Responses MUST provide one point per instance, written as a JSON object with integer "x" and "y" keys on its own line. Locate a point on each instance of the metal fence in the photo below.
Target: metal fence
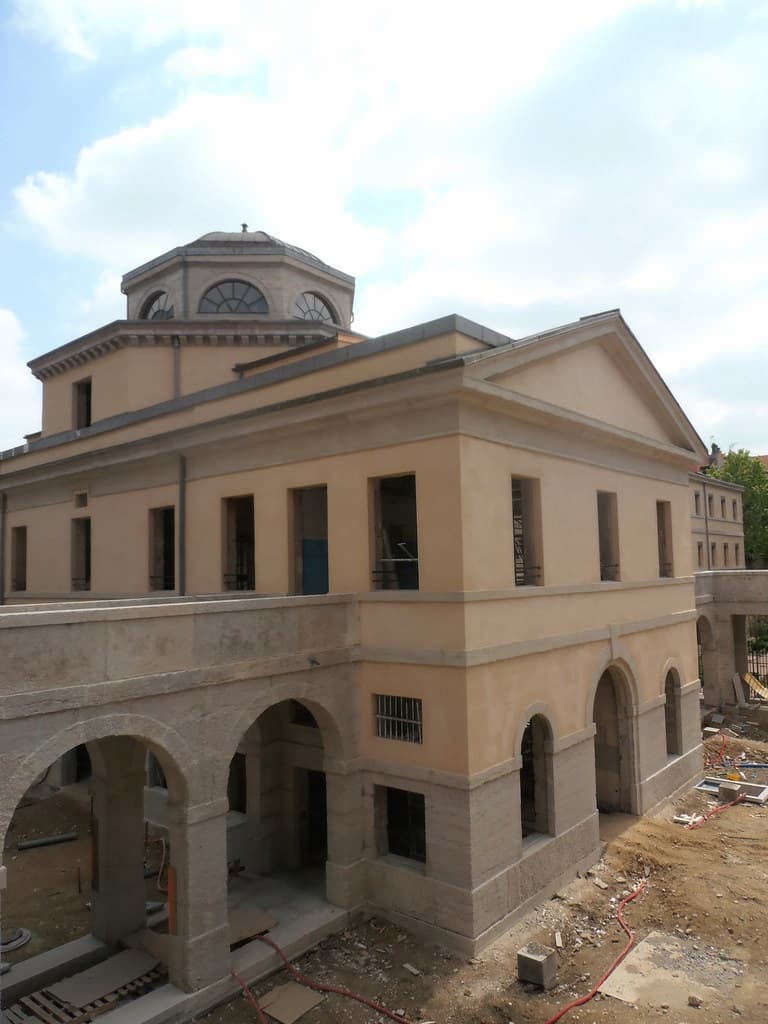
{"x": 758, "y": 663}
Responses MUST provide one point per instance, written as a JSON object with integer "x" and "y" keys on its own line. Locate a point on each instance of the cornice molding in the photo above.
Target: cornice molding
{"x": 210, "y": 332}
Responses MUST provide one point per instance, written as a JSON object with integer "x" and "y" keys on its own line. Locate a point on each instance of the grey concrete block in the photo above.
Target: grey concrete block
{"x": 537, "y": 965}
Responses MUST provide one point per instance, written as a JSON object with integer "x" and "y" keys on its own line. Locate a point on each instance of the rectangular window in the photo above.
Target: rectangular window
{"x": 608, "y": 533}
{"x": 398, "y": 718}
{"x": 526, "y": 532}
{"x": 395, "y": 561}
{"x": 710, "y": 505}
{"x": 713, "y": 555}
{"x": 725, "y": 555}
{"x": 81, "y": 401}
{"x": 239, "y": 552}
{"x": 722, "y": 508}
{"x": 19, "y": 558}
{"x": 696, "y": 503}
{"x": 404, "y": 831}
{"x": 310, "y": 540}
{"x": 162, "y": 548}
{"x": 735, "y": 508}
{"x": 81, "y": 554}
{"x": 664, "y": 534}
{"x": 737, "y": 555}
{"x": 700, "y": 555}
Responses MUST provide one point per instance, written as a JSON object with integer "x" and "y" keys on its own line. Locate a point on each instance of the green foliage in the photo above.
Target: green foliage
{"x": 739, "y": 467}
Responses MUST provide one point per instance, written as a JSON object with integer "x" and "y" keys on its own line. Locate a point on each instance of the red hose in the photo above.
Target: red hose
{"x": 316, "y": 985}
{"x": 593, "y": 992}
{"x": 249, "y": 996}
{"x": 715, "y": 810}
{"x": 716, "y": 759}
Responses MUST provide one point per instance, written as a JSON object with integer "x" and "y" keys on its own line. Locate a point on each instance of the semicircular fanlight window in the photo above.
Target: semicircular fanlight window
{"x": 158, "y": 307}
{"x": 233, "y": 297}
{"x": 310, "y": 306}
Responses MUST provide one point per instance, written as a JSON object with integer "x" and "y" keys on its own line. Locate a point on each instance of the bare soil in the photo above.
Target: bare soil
{"x": 706, "y": 886}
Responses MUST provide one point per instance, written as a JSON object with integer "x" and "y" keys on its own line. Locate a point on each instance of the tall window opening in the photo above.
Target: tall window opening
{"x": 310, "y": 541}
{"x": 162, "y": 549}
{"x": 713, "y": 555}
{"x": 672, "y": 717}
{"x": 526, "y": 532}
{"x": 19, "y": 558}
{"x": 81, "y": 395}
{"x": 735, "y": 507}
{"x": 710, "y": 505}
{"x": 608, "y": 533}
{"x": 664, "y": 534}
{"x": 401, "y": 823}
{"x": 737, "y": 555}
{"x": 536, "y": 778}
{"x": 726, "y": 556}
{"x": 396, "y": 556}
{"x": 696, "y": 503}
{"x": 700, "y": 555}
{"x": 239, "y": 554}
{"x": 81, "y": 554}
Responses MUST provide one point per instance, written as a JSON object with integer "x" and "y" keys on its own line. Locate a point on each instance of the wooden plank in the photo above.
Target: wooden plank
{"x": 87, "y": 986}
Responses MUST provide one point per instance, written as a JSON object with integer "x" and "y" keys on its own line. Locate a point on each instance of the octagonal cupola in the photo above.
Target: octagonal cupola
{"x": 243, "y": 275}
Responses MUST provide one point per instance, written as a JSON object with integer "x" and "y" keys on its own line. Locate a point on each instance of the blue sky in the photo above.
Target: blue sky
{"x": 521, "y": 164}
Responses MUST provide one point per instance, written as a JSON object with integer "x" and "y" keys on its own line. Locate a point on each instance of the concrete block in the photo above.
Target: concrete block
{"x": 729, "y": 791}
{"x": 537, "y": 964}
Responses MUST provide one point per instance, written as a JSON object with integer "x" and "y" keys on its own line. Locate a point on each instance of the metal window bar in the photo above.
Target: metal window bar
{"x": 757, "y": 662}
{"x": 609, "y": 571}
{"x": 399, "y": 718}
{"x": 392, "y": 571}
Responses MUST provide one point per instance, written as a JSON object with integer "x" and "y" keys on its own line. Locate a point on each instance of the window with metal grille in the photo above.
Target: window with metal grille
{"x": 399, "y": 718}
{"x": 526, "y": 532}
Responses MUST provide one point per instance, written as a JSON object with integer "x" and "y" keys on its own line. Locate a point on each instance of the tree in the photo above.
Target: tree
{"x": 739, "y": 467}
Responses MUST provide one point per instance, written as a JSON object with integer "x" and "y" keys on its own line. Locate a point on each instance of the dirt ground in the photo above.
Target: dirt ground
{"x": 705, "y": 886}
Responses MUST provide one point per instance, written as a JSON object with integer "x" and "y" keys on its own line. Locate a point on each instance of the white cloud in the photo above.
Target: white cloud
{"x": 21, "y": 392}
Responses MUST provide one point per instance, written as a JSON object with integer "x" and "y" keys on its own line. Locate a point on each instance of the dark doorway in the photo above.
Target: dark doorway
{"x": 310, "y": 511}
{"x": 162, "y": 549}
{"x": 535, "y": 778}
{"x": 313, "y": 832}
{"x": 613, "y": 747}
{"x": 396, "y": 557}
{"x": 239, "y": 557}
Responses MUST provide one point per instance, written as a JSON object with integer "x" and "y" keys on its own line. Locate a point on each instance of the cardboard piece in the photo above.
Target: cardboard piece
{"x": 246, "y": 920}
{"x": 87, "y": 986}
{"x": 289, "y": 1002}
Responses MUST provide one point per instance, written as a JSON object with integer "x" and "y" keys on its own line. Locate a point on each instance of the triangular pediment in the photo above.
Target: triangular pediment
{"x": 598, "y": 372}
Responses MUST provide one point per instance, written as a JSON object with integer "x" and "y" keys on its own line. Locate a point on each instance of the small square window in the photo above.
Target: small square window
{"x": 399, "y": 718}
{"x": 81, "y": 499}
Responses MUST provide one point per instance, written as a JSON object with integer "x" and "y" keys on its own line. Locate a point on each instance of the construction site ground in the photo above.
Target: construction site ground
{"x": 705, "y": 886}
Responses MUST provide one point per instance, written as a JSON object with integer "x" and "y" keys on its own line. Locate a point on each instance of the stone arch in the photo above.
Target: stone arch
{"x": 164, "y": 742}
{"x": 614, "y": 713}
{"x": 537, "y": 794}
{"x": 623, "y": 668}
{"x": 673, "y": 715}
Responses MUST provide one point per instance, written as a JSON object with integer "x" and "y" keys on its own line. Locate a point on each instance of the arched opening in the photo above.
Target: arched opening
{"x": 536, "y": 793}
{"x": 673, "y": 714}
{"x": 84, "y": 864}
{"x": 277, "y": 826}
{"x": 707, "y": 660}
{"x": 614, "y": 743}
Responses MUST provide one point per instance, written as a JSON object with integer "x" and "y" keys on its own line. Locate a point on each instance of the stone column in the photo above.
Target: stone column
{"x": 344, "y": 867}
{"x": 199, "y": 944}
{"x": 117, "y": 786}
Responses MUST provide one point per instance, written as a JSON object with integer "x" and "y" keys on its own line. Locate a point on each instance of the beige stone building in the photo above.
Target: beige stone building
{"x": 408, "y": 611}
{"x": 717, "y": 525}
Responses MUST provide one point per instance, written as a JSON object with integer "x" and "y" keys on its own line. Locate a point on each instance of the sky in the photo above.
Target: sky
{"x": 523, "y": 164}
